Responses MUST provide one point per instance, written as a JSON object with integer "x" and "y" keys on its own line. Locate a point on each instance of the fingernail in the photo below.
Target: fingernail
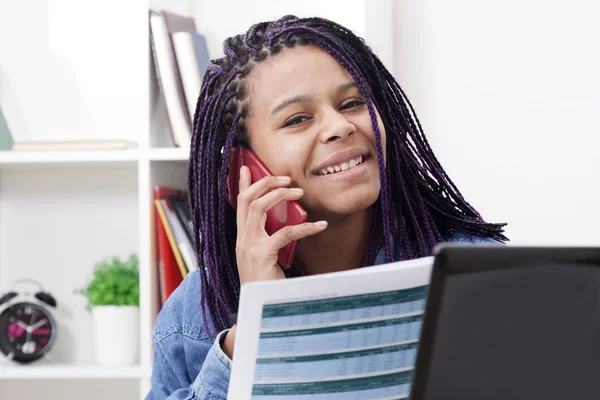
{"x": 297, "y": 190}
{"x": 321, "y": 224}
{"x": 284, "y": 178}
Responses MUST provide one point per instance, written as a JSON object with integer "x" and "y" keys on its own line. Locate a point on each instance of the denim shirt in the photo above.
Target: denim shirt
{"x": 188, "y": 361}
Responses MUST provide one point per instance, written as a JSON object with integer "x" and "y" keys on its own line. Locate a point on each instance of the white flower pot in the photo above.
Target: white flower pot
{"x": 116, "y": 334}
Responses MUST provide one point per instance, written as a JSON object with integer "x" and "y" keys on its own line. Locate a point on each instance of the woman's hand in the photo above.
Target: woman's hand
{"x": 256, "y": 251}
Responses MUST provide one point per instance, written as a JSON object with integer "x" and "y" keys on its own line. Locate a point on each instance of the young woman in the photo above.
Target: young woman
{"x": 337, "y": 131}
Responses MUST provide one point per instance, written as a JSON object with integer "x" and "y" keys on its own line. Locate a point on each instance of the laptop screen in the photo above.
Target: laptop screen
{"x": 520, "y": 333}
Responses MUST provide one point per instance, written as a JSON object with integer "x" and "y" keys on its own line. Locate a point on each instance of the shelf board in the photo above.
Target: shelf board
{"x": 19, "y": 159}
{"x": 69, "y": 371}
{"x": 14, "y": 160}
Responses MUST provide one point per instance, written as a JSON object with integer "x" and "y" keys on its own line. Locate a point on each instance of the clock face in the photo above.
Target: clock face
{"x": 27, "y": 331}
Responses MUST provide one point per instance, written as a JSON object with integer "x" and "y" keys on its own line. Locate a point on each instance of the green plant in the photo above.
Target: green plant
{"x": 114, "y": 282}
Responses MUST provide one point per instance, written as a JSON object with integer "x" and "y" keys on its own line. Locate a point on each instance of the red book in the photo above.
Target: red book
{"x": 168, "y": 270}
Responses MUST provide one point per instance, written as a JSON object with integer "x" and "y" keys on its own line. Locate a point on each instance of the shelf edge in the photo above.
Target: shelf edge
{"x": 71, "y": 372}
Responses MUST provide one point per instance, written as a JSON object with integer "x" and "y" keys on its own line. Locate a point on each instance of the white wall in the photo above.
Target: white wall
{"x": 508, "y": 93}
{"x": 218, "y": 20}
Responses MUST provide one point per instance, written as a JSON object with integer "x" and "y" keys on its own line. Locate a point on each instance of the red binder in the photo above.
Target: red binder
{"x": 168, "y": 271}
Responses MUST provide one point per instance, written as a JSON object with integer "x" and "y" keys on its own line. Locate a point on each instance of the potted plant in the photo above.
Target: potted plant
{"x": 113, "y": 299}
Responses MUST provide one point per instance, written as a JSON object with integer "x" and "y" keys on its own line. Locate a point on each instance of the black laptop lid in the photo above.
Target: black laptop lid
{"x": 513, "y": 323}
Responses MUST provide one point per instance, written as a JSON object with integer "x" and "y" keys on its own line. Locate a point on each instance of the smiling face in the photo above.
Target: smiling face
{"x": 308, "y": 120}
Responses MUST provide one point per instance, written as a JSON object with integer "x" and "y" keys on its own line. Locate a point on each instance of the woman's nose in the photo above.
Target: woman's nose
{"x": 335, "y": 126}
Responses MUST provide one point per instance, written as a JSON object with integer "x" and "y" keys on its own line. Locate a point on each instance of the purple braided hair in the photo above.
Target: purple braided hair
{"x": 418, "y": 205}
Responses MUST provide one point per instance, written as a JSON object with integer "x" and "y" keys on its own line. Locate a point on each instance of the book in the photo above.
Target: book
{"x": 6, "y": 140}
{"x": 172, "y": 240}
{"x": 181, "y": 239}
{"x": 179, "y": 23}
{"x": 182, "y": 209}
{"x": 74, "y": 145}
{"x": 169, "y": 274}
{"x": 192, "y": 57}
{"x": 351, "y": 334}
{"x": 162, "y": 24}
{"x": 201, "y": 53}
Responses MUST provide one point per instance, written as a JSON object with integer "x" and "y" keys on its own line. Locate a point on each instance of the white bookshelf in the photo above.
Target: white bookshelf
{"x": 63, "y": 211}
{"x": 72, "y": 209}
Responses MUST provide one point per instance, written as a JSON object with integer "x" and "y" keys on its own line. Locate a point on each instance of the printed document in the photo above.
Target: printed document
{"x": 348, "y": 335}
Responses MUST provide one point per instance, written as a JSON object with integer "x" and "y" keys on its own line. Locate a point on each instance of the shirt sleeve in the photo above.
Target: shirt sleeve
{"x": 462, "y": 238}
{"x": 211, "y": 383}
{"x": 213, "y": 380}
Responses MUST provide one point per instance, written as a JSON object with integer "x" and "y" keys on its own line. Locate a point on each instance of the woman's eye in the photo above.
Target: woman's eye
{"x": 352, "y": 104}
{"x": 295, "y": 120}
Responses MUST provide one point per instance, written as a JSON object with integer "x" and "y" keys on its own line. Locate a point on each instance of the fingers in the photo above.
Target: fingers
{"x": 286, "y": 235}
{"x": 251, "y": 191}
{"x": 259, "y": 188}
{"x": 245, "y": 179}
{"x": 242, "y": 208}
{"x": 257, "y": 212}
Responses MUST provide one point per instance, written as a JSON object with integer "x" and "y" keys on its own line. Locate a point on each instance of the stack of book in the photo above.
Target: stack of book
{"x": 8, "y": 143}
{"x": 174, "y": 238}
{"x": 180, "y": 59}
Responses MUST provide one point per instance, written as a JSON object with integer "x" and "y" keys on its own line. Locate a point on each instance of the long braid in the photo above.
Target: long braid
{"x": 425, "y": 149}
{"x": 418, "y": 205}
{"x": 224, "y": 208}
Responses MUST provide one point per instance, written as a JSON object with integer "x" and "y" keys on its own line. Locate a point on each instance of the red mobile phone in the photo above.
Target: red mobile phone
{"x": 283, "y": 214}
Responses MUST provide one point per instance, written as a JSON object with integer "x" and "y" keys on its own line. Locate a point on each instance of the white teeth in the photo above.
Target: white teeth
{"x": 342, "y": 167}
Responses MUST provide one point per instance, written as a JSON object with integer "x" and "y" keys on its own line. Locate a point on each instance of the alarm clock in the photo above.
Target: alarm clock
{"x": 27, "y": 327}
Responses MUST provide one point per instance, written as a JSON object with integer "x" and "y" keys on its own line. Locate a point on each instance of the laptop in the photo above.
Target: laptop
{"x": 508, "y": 322}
